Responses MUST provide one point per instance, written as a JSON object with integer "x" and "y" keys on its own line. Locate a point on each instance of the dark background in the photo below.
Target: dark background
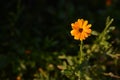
{"x": 27, "y": 23}
{"x": 43, "y": 26}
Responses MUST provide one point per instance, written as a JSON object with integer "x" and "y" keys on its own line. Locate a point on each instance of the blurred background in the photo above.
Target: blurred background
{"x": 34, "y": 32}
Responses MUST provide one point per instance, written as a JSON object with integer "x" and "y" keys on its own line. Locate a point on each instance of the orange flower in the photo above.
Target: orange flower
{"x": 81, "y": 29}
{"x": 18, "y": 78}
{"x": 27, "y": 51}
{"x": 108, "y": 2}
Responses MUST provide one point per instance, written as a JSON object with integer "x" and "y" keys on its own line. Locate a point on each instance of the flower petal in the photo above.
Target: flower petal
{"x": 88, "y": 26}
{"x": 80, "y": 22}
{"x": 77, "y": 37}
{"x": 85, "y": 23}
{"x": 75, "y": 25}
{"x": 74, "y": 32}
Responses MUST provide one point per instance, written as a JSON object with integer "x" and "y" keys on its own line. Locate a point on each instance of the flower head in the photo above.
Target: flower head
{"x": 81, "y": 29}
{"x": 108, "y": 3}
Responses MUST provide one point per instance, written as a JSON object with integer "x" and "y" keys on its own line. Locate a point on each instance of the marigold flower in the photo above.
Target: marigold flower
{"x": 108, "y": 2}
{"x": 27, "y": 51}
{"x": 18, "y": 78}
{"x": 81, "y": 29}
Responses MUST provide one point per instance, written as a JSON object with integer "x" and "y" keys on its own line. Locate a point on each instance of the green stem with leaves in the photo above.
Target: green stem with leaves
{"x": 108, "y": 23}
{"x": 81, "y": 52}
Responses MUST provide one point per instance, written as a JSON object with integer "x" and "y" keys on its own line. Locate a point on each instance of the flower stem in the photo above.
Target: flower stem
{"x": 81, "y": 52}
{"x": 108, "y": 23}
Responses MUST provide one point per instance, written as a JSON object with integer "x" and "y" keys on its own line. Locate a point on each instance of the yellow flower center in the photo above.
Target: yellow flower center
{"x": 80, "y": 30}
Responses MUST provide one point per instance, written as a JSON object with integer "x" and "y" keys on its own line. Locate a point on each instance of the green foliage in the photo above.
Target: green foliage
{"x": 96, "y": 56}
